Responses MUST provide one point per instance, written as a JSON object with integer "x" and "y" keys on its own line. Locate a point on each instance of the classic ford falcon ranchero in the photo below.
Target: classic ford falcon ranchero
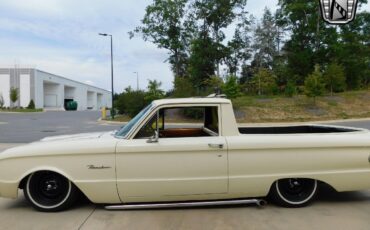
{"x": 152, "y": 161}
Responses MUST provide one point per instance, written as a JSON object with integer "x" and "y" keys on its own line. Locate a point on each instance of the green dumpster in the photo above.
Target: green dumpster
{"x": 71, "y": 106}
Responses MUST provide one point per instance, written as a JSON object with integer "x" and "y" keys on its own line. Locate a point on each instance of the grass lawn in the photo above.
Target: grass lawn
{"x": 18, "y": 110}
{"x": 119, "y": 118}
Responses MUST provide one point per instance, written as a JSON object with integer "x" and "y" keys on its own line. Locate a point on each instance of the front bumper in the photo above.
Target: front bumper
{"x": 8, "y": 189}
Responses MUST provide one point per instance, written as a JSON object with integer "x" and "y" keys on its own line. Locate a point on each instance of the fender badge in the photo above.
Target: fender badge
{"x": 98, "y": 167}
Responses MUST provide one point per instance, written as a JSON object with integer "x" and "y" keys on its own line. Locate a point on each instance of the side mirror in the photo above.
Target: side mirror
{"x": 154, "y": 138}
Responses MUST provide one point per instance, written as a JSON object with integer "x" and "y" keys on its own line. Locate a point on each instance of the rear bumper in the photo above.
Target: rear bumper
{"x": 8, "y": 189}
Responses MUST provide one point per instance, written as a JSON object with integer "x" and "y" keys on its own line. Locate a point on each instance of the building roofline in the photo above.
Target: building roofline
{"x": 71, "y": 80}
{"x": 59, "y": 77}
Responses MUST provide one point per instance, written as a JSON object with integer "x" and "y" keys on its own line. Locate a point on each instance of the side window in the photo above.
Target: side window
{"x": 149, "y": 128}
{"x": 177, "y": 122}
{"x": 184, "y": 118}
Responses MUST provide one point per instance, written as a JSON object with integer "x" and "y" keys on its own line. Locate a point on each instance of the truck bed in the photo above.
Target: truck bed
{"x": 295, "y": 129}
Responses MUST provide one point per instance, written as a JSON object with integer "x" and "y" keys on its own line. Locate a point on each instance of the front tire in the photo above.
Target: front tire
{"x": 50, "y": 192}
{"x": 294, "y": 192}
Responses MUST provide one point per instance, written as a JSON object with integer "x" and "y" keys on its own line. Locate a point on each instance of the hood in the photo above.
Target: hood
{"x": 66, "y": 144}
{"x": 80, "y": 136}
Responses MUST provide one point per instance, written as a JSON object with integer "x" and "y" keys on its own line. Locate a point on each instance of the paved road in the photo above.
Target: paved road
{"x": 331, "y": 211}
{"x": 359, "y": 124}
{"x": 28, "y": 127}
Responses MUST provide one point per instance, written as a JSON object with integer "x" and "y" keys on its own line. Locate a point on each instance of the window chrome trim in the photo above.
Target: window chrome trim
{"x": 150, "y": 113}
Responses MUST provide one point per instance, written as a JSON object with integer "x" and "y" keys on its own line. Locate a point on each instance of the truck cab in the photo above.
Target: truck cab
{"x": 184, "y": 150}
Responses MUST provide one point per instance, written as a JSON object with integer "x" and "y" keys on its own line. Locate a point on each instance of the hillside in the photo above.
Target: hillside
{"x": 352, "y": 104}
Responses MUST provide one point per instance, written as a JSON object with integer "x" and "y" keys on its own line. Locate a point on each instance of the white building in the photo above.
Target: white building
{"x": 49, "y": 91}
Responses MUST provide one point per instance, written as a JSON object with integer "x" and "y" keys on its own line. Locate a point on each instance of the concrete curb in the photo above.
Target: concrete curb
{"x": 110, "y": 122}
{"x": 4, "y": 112}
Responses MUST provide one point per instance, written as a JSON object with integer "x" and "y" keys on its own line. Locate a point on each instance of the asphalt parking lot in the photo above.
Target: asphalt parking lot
{"x": 28, "y": 127}
{"x": 332, "y": 210}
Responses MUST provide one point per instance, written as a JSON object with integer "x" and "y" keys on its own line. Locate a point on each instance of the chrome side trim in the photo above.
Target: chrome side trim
{"x": 258, "y": 202}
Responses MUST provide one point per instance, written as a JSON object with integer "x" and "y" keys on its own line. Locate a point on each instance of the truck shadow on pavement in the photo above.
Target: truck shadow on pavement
{"x": 328, "y": 195}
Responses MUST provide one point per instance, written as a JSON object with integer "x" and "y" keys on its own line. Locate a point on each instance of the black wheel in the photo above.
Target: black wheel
{"x": 293, "y": 192}
{"x": 50, "y": 192}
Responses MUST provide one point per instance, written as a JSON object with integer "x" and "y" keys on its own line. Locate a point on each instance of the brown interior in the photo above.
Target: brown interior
{"x": 183, "y": 132}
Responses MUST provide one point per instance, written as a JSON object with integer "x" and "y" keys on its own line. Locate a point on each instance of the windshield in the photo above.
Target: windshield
{"x": 126, "y": 129}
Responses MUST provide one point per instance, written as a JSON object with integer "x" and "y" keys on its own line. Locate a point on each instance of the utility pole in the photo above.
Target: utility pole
{"x": 137, "y": 81}
{"x": 111, "y": 59}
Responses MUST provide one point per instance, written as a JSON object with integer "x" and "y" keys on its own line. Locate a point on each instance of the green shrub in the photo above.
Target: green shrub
{"x": 214, "y": 84}
{"x": 14, "y": 95}
{"x": 314, "y": 85}
{"x": 183, "y": 88}
{"x": 1, "y": 101}
{"x": 131, "y": 102}
{"x": 231, "y": 87}
{"x": 31, "y": 105}
{"x": 335, "y": 78}
{"x": 290, "y": 89}
{"x": 264, "y": 82}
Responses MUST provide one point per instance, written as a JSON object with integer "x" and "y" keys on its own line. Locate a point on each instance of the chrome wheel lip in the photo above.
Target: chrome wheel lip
{"x": 296, "y": 202}
{"x": 43, "y": 206}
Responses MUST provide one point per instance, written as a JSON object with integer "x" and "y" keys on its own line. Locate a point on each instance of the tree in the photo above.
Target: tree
{"x": 183, "y": 87}
{"x": 264, "y": 82}
{"x": 266, "y": 37}
{"x": 210, "y": 17}
{"x": 354, "y": 50}
{"x": 202, "y": 61}
{"x": 131, "y": 102}
{"x": 313, "y": 41}
{"x": 154, "y": 92}
{"x": 314, "y": 85}
{"x": 14, "y": 95}
{"x": 164, "y": 24}
{"x": 239, "y": 48}
{"x": 1, "y": 101}
{"x": 335, "y": 78}
{"x": 215, "y": 83}
{"x": 231, "y": 87}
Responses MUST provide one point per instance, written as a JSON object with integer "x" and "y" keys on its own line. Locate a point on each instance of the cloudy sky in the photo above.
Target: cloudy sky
{"x": 61, "y": 37}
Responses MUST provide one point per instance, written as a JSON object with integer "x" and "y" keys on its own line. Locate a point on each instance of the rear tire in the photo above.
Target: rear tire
{"x": 50, "y": 192}
{"x": 293, "y": 192}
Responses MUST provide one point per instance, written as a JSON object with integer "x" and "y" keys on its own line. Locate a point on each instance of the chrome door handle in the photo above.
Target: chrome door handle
{"x": 216, "y": 146}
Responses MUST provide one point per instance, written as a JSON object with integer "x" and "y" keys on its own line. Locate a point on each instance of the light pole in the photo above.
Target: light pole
{"x": 137, "y": 80}
{"x": 111, "y": 60}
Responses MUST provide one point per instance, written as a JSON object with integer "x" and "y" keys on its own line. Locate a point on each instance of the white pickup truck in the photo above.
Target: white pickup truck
{"x": 162, "y": 158}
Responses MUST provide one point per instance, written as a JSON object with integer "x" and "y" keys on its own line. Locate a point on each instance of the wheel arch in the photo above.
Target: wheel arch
{"x": 319, "y": 181}
{"x": 26, "y": 175}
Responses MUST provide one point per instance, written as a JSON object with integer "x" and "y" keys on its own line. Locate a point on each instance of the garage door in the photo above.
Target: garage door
{"x": 50, "y": 100}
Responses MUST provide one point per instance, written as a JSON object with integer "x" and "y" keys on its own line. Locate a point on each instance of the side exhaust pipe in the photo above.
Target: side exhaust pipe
{"x": 259, "y": 202}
